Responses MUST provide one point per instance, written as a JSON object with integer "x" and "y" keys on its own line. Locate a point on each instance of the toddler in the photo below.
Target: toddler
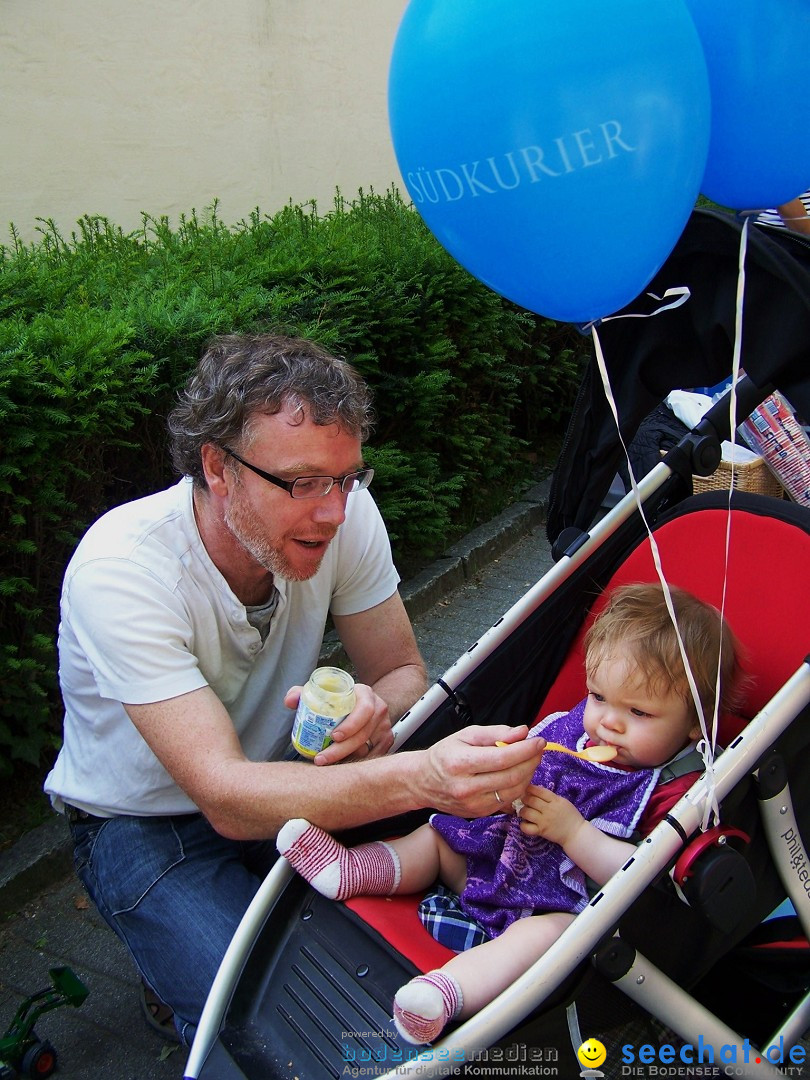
{"x": 521, "y": 876}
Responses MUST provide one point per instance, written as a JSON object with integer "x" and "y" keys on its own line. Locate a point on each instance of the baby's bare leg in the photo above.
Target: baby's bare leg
{"x": 483, "y": 972}
{"x": 424, "y": 856}
{"x": 425, "y": 1005}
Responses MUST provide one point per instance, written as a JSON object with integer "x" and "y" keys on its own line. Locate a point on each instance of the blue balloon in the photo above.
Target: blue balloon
{"x": 758, "y": 59}
{"x": 554, "y": 149}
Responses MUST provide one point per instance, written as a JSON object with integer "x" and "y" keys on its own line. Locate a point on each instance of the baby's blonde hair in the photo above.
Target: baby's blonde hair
{"x": 636, "y": 618}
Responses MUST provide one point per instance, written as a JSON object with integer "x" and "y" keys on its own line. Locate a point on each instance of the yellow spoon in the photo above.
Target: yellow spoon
{"x": 590, "y": 753}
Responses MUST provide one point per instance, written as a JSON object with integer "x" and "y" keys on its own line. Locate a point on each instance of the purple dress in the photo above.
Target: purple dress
{"x": 509, "y": 875}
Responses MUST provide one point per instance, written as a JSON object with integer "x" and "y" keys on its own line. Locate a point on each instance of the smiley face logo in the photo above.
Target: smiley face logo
{"x": 591, "y": 1054}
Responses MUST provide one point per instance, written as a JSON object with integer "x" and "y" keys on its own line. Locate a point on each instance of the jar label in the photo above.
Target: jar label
{"x": 312, "y": 731}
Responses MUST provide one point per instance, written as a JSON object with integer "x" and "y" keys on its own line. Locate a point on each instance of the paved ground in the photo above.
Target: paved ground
{"x": 49, "y": 922}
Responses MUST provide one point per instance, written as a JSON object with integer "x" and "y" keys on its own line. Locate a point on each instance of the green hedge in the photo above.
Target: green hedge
{"x": 98, "y": 331}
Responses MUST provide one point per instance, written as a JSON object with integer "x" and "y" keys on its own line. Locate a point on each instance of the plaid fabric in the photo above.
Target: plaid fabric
{"x": 443, "y": 917}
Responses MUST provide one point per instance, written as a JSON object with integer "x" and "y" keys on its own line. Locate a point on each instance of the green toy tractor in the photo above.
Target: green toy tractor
{"x": 22, "y": 1053}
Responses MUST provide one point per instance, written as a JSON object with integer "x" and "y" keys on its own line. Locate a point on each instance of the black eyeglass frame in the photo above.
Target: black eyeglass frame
{"x": 362, "y": 476}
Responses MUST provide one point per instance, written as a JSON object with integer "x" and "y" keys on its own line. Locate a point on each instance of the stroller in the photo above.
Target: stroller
{"x": 675, "y": 946}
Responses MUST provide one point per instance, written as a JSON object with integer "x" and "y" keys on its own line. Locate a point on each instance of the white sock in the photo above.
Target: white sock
{"x": 424, "y": 1006}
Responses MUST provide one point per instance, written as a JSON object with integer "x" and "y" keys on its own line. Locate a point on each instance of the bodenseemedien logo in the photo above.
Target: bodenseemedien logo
{"x": 510, "y": 1062}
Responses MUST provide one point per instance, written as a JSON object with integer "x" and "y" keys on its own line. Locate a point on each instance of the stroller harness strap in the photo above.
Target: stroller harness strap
{"x": 691, "y": 762}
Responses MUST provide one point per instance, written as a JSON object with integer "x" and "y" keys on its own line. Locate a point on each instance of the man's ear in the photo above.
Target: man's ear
{"x": 213, "y": 463}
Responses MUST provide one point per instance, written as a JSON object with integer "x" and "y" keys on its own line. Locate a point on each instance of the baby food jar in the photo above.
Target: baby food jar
{"x": 326, "y": 700}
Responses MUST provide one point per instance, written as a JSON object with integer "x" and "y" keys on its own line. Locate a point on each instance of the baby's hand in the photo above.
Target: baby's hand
{"x": 545, "y": 814}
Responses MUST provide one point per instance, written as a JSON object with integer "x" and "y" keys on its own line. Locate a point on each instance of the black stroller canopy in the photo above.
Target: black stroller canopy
{"x": 691, "y": 345}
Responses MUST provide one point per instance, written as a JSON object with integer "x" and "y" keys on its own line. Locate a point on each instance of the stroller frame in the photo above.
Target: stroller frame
{"x": 592, "y": 932}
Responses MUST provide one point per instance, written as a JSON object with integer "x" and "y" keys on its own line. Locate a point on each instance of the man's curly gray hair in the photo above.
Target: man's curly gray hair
{"x": 241, "y": 376}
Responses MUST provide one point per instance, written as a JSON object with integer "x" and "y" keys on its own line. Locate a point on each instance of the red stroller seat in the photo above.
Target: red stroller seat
{"x": 310, "y": 985}
{"x": 772, "y": 649}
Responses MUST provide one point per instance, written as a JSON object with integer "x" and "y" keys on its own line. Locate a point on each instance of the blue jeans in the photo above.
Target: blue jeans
{"x": 174, "y": 891}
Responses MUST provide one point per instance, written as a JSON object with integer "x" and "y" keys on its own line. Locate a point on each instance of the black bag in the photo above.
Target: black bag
{"x": 688, "y": 346}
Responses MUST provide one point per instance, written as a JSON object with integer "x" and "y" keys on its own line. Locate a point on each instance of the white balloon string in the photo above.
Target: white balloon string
{"x": 672, "y": 298}
{"x": 706, "y": 745}
{"x": 711, "y": 808}
{"x": 677, "y": 296}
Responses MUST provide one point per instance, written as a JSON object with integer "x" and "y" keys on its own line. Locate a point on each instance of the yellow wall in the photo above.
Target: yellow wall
{"x": 115, "y": 107}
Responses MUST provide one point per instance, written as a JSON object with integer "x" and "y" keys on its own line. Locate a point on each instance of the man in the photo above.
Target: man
{"x": 190, "y": 620}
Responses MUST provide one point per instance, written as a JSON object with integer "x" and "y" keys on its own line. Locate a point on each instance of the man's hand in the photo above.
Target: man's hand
{"x": 549, "y": 815}
{"x": 468, "y": 775}
{"x": 368, "y": 722}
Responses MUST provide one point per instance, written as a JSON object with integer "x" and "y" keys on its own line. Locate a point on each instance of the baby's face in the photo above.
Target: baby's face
{"x": 646, "y": 728}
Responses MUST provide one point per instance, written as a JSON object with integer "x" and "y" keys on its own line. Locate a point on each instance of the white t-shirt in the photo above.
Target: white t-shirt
{"x": 147, "y": 616}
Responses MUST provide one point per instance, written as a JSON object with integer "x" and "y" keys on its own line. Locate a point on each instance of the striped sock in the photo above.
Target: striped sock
{"x": 335, "y": 870}
{"x": 424, "y": 1006}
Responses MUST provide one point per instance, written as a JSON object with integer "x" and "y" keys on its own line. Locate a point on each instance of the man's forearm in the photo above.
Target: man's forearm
{"x": 254, "y": 799}
{"x": 401, "y": 687}
{"x": 457, "y": 775}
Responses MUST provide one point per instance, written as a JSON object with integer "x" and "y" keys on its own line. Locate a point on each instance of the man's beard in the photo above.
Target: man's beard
{"x": 240, "y": 520}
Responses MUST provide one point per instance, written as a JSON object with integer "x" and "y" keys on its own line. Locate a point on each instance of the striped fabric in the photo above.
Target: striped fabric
{"x": 773, "y": 217}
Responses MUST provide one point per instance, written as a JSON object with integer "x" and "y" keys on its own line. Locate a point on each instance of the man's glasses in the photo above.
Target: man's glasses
{"x": 311, "y": 487}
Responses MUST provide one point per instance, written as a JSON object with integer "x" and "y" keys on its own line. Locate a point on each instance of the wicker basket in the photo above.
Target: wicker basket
{"x": 748, "y": 476}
